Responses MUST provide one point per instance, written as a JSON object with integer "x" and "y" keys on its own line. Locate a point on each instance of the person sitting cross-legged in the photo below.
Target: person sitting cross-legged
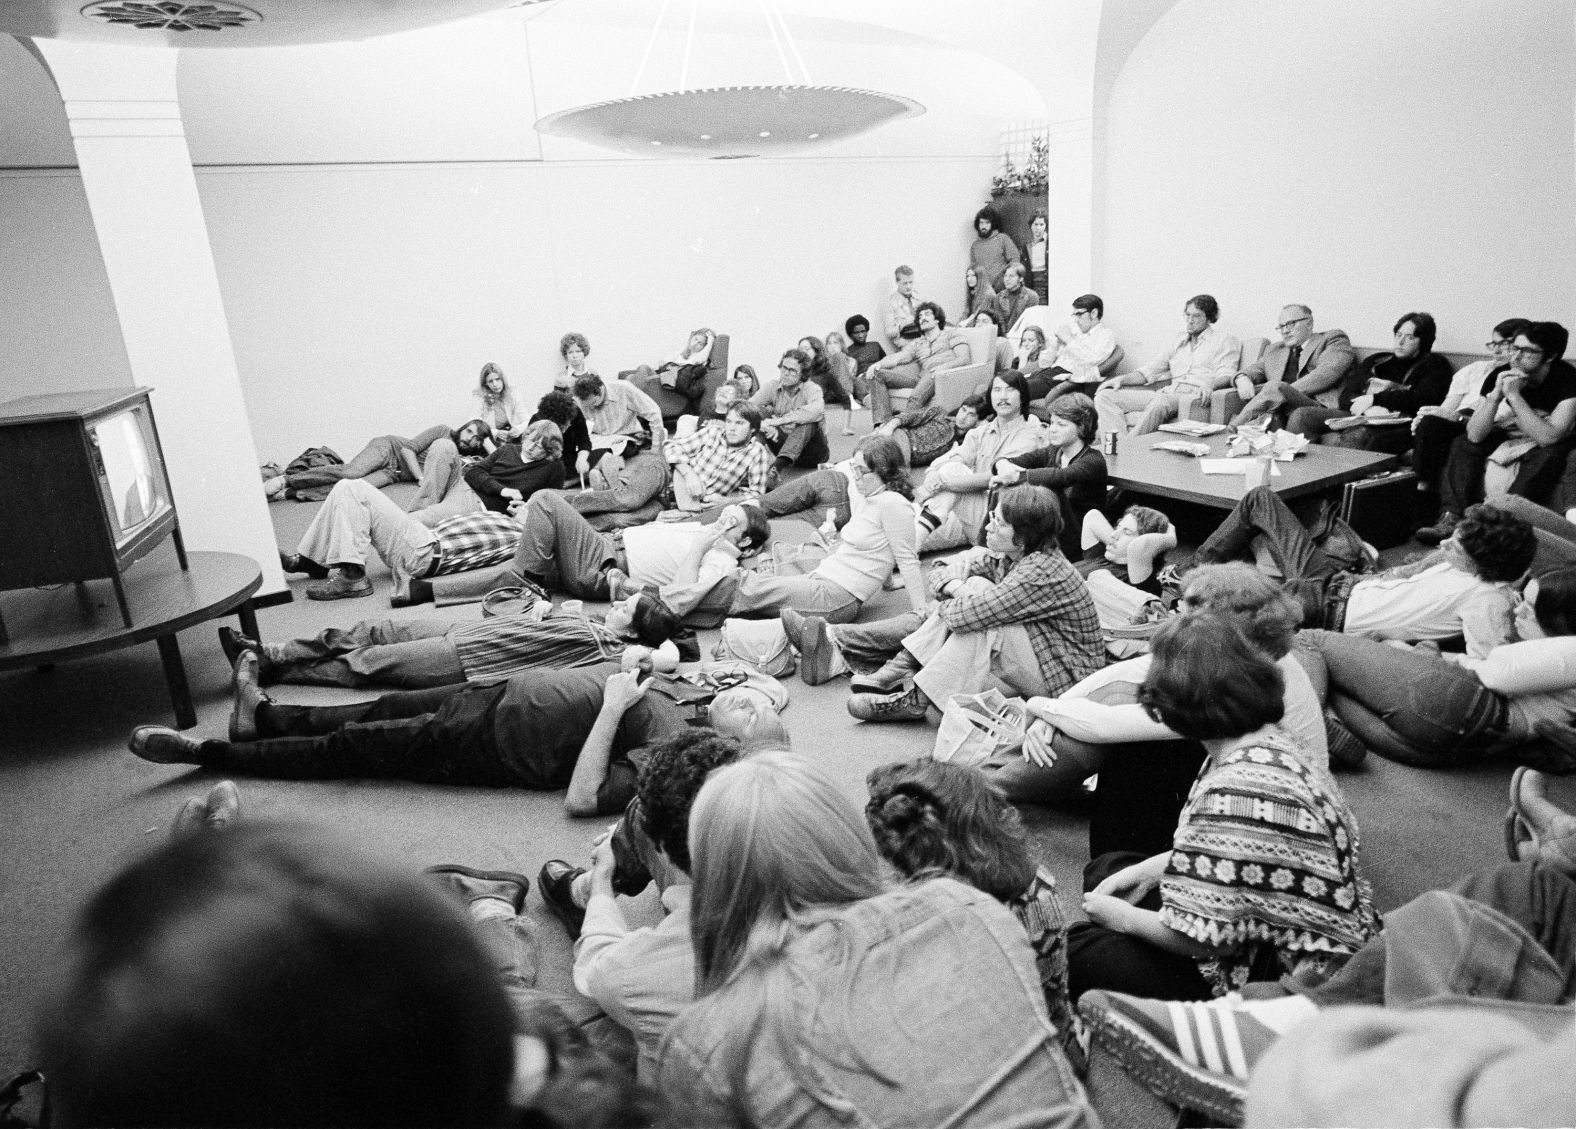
{"x": 1304, "y": 369}
{"x": 712, "y": 466}
{"x": 357, "y": 517}
{"x": 915, "y": 364}
{"x": 542, "y": 730}
{"x": 1384, "y": 387}
{"x": 1034, "y": 629}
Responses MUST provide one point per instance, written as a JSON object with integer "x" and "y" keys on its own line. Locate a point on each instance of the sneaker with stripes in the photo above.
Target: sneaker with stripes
{"x": 1194, "y": 1055}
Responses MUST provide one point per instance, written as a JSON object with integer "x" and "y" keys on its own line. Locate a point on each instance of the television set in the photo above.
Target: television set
{"x": 87, "y": 493}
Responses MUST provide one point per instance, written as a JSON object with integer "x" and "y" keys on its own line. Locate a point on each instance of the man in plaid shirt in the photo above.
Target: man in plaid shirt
{"x": 1019, "y": 615}
{"x": 714, "y": 464}
{"x": 357, "y": 516}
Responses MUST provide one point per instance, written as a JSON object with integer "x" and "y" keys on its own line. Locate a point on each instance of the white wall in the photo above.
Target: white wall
{"x": 1367, "y": 159}
{"x": 365, "y": 300}
{"x": 384, "y": 222}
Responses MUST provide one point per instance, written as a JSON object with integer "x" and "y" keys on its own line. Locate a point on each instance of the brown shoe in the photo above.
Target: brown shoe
{"x": 246, "y": 695}
{"x": 339, "y": 586}
{"x": 898, "y": 670}
{"x": 470, "y": 884}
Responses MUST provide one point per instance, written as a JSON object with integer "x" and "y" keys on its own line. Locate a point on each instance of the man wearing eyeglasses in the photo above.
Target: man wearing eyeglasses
{"x": 793, "y": 409}
{"x": 1520, "y": 433}
{"x": 1304, "y": 369}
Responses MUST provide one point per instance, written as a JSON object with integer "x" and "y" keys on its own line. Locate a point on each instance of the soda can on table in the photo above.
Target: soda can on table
{"x": 1108, "y": 442}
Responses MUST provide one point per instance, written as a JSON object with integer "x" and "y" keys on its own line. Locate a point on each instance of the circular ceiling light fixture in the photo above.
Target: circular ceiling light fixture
{"x": 730, "y": 121}
{"x": 171, "y": 15}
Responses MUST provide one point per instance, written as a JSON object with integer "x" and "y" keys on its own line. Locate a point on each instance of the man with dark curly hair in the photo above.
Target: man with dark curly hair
{"x": 1466, "y": 587}
{"x": 641, "y": 978}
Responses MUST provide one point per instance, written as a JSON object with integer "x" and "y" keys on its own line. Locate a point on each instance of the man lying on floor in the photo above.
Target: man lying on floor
{"x": 424, "y": 651}
{"x": 542, "y": 730}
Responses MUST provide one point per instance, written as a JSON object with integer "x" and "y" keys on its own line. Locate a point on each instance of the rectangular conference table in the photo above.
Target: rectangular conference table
{"x": 1138, "y": 466}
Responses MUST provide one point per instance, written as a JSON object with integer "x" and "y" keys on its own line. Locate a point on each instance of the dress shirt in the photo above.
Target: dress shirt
{"x": 899, "y": 312}
{"x": 1083, "y": 353}
{"x": 1202, "y": 364}
{"x": 1440, "y": 602}
{"x": 625, "y": 410}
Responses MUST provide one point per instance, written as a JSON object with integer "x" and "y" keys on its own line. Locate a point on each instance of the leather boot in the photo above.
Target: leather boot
{"x": 898, "y": 670}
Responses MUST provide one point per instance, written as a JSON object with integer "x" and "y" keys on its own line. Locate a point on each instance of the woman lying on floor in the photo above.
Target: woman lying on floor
{"x": 420, "y": 652}
{"x": 1419, "y": 707}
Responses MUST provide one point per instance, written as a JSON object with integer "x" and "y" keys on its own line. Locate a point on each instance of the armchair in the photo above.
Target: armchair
{"x": 670, "y": 402}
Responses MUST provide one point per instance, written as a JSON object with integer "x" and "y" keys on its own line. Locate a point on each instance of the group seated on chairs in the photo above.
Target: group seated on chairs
{"x": 1191, "y": 699}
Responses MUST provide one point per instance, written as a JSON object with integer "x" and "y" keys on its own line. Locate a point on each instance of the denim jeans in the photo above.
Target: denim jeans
{"x": 413, "y": 654}
{"x": 865, "y": 646}
{"x": 1507, "y": 933}
{"x": 1409, "y": 706}
{"x": 803, "y": 444}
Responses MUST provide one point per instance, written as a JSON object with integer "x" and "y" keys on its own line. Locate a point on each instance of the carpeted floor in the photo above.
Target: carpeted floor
{"x": 74, "y": 804}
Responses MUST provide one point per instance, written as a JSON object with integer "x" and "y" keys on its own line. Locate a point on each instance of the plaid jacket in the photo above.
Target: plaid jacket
{"x": 1044, "y": 594}
{"x": 474, "y": 541}
{"x": 722, "y": 468}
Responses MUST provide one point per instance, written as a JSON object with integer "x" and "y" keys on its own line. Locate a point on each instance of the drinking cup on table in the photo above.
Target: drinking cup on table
{"x": 573, "y": 607}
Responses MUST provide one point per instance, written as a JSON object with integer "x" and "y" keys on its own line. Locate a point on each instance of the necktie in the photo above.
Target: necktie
{"x": 1293, "y": 360}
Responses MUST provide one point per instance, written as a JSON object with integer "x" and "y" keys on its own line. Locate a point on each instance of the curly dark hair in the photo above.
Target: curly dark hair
{"x": 1500, "y": 544}
{"x": 989, "y": 213}
{"x": 559, "y": 407}
{"x": 588, "y": 385}
{"x": 671, "y": 779}
{"x": 1208, "y": 680}
{"x": 930, "y": 817}
{"x": 941, "y": 315}
{"x": 1206, "y": 305}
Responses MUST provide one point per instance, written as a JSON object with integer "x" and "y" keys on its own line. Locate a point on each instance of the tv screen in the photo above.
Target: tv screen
{"x": 131, "y": 474}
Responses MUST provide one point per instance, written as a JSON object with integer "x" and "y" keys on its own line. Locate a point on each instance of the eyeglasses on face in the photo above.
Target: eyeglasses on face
{"x": 1527, "y": 351}
{"x": 1285, "y": 325}
{"x": 1496, "y": 345}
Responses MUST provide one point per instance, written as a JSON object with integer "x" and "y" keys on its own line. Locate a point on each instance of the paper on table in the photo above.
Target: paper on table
{"x": 1232, "y": 466}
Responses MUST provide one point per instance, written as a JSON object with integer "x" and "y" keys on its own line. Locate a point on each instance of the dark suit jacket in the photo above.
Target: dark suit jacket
{"x": 1326, "y": 359}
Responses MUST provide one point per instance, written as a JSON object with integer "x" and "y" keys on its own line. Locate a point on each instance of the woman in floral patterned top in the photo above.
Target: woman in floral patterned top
{"x": 1262, "y": 878}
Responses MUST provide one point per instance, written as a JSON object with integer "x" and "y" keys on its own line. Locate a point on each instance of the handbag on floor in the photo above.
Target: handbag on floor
{"x": 975, "y": 727}
{"x": 761, "y": 644}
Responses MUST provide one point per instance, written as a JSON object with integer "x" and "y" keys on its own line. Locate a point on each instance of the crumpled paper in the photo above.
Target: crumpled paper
{"x": 1282, "y": 446}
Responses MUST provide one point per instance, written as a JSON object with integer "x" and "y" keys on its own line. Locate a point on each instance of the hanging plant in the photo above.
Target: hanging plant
{"x": 1033, "y": 177}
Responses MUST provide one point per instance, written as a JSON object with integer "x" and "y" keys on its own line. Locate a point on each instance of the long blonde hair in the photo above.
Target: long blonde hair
{"x": 772, "y": 840}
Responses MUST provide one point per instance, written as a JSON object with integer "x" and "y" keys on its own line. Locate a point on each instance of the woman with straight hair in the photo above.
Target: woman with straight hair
{"x": 1070, "y": 464}
{"x": 931, "y": 818}
{"x": 1262, "y": 877}
{"x": 826, "y": 999}
{"x": 501, "y": 406}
